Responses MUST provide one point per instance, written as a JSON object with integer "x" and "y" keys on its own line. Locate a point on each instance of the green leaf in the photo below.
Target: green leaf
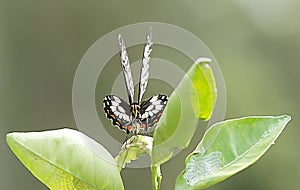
{"x": 229, "y": 147}
{"x": 66, "y": 159}
{"x": 194, "y": 98}
{"x": 204, "y": 94}
{"x": 133, "y": 148}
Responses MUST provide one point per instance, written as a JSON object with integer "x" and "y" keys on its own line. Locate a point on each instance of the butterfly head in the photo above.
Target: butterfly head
{"x": 135, "y": 109}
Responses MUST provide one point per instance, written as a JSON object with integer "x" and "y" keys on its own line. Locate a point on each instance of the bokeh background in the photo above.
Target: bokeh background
{"x": 256, "y": 43}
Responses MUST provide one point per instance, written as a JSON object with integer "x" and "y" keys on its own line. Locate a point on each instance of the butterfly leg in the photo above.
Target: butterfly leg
{"x": 146, "y": 127}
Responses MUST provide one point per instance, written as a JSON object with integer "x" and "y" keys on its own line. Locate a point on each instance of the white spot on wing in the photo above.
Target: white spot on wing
{"x": 149, "y": 108}
{"x": 156, "y": 102}
{"x": 145, "y": 115}
{"x": 153, "y": 99}
{"x": 155, "y": 111}
{"x": 126, "y": 117}
{"x": 121, "y": 109}
{"x": 159, "y": 107}
{"x": 150, "y": 114}
{"x": 114, "y": 103}
{"x": 113, "y": 108}
{"x": 117, "y": 99}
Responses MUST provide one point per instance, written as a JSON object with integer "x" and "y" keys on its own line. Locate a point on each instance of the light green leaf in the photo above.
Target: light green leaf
{"x": 66, "y": 159}
{"x": 229, "y": 147}
{"x": 204, "y": 94}
{"x": 194, "y": 98}
{"x": 133, "y": 148}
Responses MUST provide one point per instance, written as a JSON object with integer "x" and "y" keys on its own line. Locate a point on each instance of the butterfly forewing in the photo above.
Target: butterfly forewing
{"x": 126, "y": 69}
{"x": 118, "y": 110}
{"x": 144, "y": 75}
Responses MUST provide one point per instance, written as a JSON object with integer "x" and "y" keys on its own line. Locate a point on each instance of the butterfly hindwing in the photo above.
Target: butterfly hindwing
{"x": 152, "y": 109}
{"x": 118, "y": 110}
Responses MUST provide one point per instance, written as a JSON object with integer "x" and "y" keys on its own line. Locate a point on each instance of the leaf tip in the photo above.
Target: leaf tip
{"x": 9, "y": 138}
{"x": 286, "y": 117}
{"x": 201, "y": 60}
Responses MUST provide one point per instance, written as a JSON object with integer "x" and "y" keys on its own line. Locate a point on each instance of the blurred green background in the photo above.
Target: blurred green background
{"x": 256, "y": 43}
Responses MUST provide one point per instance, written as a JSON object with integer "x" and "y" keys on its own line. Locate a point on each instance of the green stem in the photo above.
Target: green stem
{"x": 156, "y": 177}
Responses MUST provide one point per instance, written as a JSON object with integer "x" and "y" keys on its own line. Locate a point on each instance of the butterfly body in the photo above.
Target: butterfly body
{"x": 134, "y": 116}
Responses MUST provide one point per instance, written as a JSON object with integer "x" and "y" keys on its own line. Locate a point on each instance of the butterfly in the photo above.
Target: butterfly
{"x": 133, "y": 116}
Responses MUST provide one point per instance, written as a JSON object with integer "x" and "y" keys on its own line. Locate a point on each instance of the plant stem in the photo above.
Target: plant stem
{"x": 156, "y": 177}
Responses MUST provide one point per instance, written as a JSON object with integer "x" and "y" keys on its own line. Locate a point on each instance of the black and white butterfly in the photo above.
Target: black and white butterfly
{"x": 133, "y": 116}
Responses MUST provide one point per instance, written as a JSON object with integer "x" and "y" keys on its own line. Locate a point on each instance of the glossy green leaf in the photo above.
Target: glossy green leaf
{"x": 66, "y": 159}
{"x": 133, "y": 148}
{"x": 194, "y": 98}
{"x": 229, "y": 147}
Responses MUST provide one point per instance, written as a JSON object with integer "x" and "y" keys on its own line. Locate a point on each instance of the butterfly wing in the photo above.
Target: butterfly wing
{"x": 144, "y": 76}
{"x": 152, "y": 109}
{"x": 118, "y": 110}
{"x": 126, "y": 69}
